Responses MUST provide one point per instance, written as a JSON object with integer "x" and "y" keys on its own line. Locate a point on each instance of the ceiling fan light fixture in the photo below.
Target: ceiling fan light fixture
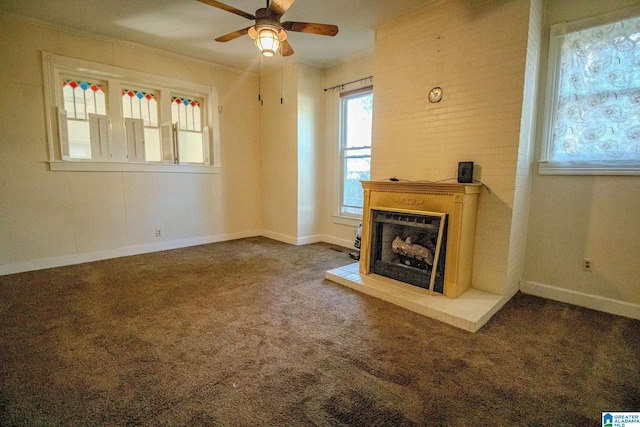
{"x": 269, "y": 35}
{"x": 267, "y": 38}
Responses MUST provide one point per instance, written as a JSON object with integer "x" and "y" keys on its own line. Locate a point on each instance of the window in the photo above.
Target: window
{"x": 356, "y": 112}
{"x": 85, "y": 115}
{"x": 592, "y": 116}
{"x": 140, "y": 110}
{"x": 106, "y": 118}
{"x": 186, "y": 115}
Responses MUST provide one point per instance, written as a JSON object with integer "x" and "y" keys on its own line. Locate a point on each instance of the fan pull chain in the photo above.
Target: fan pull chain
{"x": 260, "y": 83}
{"x": 281, "y": 59}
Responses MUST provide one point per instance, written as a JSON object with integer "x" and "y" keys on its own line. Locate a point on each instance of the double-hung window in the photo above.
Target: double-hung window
{"x": 592, "y": 111}
{"x": 186, "y": 114}
{"x": 84, "y": 117}
{"x": 106, "y": 118}
{"x": 140, "y": 112}
{"x": 356, "y": 119}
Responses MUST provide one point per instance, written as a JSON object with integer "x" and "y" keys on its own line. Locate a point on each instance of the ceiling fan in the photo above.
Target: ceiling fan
{"x": 269, "y": 34}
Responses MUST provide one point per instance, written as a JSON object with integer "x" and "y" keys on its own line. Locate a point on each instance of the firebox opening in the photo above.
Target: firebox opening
{"x": 409, "y": 247}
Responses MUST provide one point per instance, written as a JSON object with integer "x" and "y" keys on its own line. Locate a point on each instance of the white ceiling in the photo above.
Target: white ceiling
{"x": 189, "y": 27}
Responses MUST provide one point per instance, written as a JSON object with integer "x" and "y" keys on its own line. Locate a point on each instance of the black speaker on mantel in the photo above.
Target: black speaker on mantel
{"x": 465, "y": 172}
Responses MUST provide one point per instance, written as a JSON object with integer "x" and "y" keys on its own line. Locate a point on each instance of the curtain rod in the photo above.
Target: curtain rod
{"x": 341, "y": 86}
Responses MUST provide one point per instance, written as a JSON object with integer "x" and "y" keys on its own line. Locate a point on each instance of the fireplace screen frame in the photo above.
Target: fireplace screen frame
{"x": 411, "y": 222}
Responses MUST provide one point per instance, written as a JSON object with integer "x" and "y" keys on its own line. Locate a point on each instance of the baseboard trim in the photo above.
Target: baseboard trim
{"x": 60, "y": 261}
{"x": 348, "y": 244}
{"x": 325, "y": 239}
{"x": 279, "y": 237}
{"x": 594, "y": 302}
{"x": 306, "y": 240}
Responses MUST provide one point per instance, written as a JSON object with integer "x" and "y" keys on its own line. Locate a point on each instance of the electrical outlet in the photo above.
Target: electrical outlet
{"x": 587, "y": 264}
{"x": 158, "y": 232}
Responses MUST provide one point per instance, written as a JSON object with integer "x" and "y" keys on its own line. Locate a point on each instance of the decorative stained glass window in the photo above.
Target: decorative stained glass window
{"x": 138, "y": 104}
{"x": 143, "y": 105}
{"x": 187, "y": 115}
{"x": 83, "y": 97}
{"x": 86, "y": 108}
{"x": 155, "y": 120}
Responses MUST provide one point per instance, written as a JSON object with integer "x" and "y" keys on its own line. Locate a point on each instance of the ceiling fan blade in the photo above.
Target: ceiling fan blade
{"x": 311, "y": 28}
{"x": 286, "y": 49}
{"x": 228, "y": 8}
{"x": 234, "y": 35}
{"x": 279, "y": 7}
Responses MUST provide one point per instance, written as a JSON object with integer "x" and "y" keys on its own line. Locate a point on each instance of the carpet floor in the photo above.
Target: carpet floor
{"x": 249, "y": 333}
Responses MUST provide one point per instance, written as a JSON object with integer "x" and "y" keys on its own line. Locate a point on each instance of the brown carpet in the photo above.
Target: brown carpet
{"x": 248, "y": 332}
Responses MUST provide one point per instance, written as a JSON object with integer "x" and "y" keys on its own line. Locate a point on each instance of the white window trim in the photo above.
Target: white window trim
{"x": 85, "y": 166}
{"x": 340, "y": 217}
{"x": 55, "y": 65}
{"x": 545, "y": 165}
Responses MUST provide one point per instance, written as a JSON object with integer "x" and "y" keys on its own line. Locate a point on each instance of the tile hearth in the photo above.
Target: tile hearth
{"x": 469, "y": 311}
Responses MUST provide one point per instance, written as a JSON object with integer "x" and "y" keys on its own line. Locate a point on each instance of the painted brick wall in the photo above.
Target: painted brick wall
{"x": 477, "y": 52}
{"x": 524, "y": 171}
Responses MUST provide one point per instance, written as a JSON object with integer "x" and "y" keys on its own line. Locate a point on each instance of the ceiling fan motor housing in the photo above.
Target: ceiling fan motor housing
{"x": 270, "y": 25}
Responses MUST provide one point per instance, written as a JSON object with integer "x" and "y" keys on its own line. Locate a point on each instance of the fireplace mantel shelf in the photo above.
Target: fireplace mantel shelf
{"x": 423, "y": 187}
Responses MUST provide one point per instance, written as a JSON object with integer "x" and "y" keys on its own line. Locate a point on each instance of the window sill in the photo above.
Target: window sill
{"x": 80, "y": 166}
{"x": 555, "y": 168}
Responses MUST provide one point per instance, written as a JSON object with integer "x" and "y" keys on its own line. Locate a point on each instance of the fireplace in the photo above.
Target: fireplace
{"x": 423, "y": 213}
{"x": 409, "y": 247}
{"x": 414, "y": 210}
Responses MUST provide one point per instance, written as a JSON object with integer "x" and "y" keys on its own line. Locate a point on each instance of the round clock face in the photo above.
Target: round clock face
{"x": 435, "y": 95}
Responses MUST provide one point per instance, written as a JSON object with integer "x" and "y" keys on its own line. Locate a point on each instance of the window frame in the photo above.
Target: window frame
{"x": 132, "y": 120}
{"x": 176, "y": 128}
{"x": 339, "y": 215}
{"x": 96, "y": 121}
{"x": 546, "y": 165}
{"x": 55, "y": 66}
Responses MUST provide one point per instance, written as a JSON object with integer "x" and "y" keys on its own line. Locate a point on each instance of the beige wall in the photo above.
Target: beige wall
{"x": 279, "y": 153}
{"x": 476, "y": 52}
{"x": 291, "y": 159}
{"x": 54, "y": 218}
{"x": 576, "y": 217}
{"x": 310, "y": 155}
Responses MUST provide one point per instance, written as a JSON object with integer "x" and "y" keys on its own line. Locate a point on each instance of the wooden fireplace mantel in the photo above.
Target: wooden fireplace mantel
{"x": 458, "y": 201}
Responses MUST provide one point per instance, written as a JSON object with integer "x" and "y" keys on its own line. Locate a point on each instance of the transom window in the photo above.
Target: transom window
{"x": 138, "y": 104}
{"x": 82, "y": 98}
{"x": 592, "y": 122}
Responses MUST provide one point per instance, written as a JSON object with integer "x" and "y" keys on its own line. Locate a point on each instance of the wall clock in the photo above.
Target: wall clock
{"x": 435, "y": 95}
